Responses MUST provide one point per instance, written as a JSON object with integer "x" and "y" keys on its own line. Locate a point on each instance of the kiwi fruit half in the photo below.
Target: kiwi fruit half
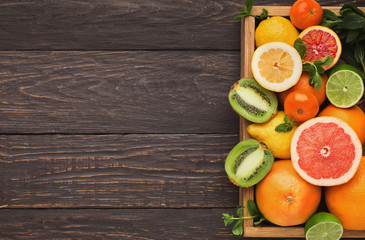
{"x": 248, "y": 162}
{"x": 251, "y": 101}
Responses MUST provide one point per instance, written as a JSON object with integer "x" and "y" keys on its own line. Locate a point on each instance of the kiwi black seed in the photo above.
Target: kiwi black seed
{"x": 251, "y": 101}
{"x": 248, "y": 162}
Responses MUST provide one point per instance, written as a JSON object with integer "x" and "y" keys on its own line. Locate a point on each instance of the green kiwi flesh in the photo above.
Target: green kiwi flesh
{"x": 248, "y": 163}
{"x": 251, "y": 101}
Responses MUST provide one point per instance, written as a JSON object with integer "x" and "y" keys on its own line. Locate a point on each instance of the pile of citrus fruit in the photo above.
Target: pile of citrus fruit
{"x": 306, "y": 126}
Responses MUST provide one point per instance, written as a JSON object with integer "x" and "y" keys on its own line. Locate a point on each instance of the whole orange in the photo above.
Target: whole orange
{"x": 285, "y": 198}
{"x": 303, "y": 84}
{"x": 305, "y": 13}
{"x": 346, "y": 201}
{"x": 353, "y": 116}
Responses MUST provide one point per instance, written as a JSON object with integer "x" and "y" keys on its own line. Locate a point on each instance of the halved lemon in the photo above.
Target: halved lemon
{"x": 276, "y": 66}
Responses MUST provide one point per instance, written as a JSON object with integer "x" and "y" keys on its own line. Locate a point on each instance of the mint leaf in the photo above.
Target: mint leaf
{"x": 254, "y": 212}
{"x": 264, "y": 14}
{"x": 317, "y": 81}
{"x": 330, "y": 19}
{"x": 327, "y": 60}
{"x": 353, "y": 21}
{"x": 228, "y": 219}
{"x": 352, "y": 8}
{"x": 245, "y": 12}
{"x": 239, "y": 211}
{"x": 252, "y": 208}
{"x": 249, "y": 4}
{"x": 287, "y": 126}
{"x": 329, "y": 15}
{"x": 352, "y": 36}
{"x": 315, "y": 69}
{"x": 259, "y": 221}
{"x": 238, "y": 229}
{"x": 300, "y": 47}
{"x": 320, "y": 70}
{"x": 241, "y": 15}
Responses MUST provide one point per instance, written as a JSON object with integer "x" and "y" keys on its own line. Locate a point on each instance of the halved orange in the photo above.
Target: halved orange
{"x": 276, "y": 66}
{"x": 320, "y": 42}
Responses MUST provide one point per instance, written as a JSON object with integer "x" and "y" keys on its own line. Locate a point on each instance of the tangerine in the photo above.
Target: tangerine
{"x": 285, "y": 198}
{"x": 346, "y": 201}
{"x": 305, "y": 13}
{"x": 353, "y": 116}
{"x": 303, "y": 84}
{"x": 302, "y": 105}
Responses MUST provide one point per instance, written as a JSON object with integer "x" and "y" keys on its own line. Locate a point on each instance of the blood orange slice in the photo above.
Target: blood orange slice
{"x": 325, "y": 151}
{"x": 321, "y": 42}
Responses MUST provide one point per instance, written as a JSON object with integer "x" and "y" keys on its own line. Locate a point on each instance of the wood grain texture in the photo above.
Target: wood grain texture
{"x": 116, "y": 171}
{"x": 109, "y": 224}
{"x": 124, "y": 24}
{"x": 115, "y": 24}
{"x": 117, "y": 92}
{"x": 136, "y": 224}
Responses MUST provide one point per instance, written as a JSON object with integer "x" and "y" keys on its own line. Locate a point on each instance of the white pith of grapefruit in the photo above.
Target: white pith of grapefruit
{"x": 325, "y": 151}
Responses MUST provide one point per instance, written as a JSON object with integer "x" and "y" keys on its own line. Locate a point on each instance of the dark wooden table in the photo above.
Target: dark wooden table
{"x": 114, "y": 117}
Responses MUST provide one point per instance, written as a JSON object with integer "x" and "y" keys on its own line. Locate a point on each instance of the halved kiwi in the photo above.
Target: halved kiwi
{"x": 248, "y": 162}
{"x": 251, "y": 101}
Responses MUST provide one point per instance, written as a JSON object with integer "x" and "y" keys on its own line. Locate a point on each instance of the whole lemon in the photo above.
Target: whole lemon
{"x": 277, "y": 142}
{"x": 275, "y": 29}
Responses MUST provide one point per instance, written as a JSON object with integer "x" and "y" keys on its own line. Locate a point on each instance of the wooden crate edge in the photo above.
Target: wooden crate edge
{"x": 248, "y": 193}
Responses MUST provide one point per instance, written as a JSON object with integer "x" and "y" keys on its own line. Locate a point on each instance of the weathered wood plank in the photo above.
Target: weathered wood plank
{"x": 136, "y": 224}
{"x": 127, "y": 24}
{"x": 109, "y": 224}
{"x": 117, "y": 171}
{"x": 117, "y": 92}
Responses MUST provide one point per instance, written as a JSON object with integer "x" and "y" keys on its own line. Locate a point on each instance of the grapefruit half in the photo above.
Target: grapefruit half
{"x": 320, "y": 42}
{"x": 325, "y": 151}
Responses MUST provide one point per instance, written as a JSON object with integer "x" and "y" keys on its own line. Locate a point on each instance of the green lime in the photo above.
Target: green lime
{"x": 345, "y": 86}
{"x": 346, "y": 67}
{"x": 323, "y": 226}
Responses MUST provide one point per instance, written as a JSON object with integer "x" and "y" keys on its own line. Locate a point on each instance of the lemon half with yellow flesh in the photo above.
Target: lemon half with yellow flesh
{"x": 276, "y": 66}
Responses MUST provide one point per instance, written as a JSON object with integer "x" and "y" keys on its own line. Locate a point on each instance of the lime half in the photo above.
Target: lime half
{"x": 344, "y": 88}
{"x": 323, "y": 226}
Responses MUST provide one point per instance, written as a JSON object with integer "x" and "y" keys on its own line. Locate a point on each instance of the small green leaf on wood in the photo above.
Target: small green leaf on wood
{"x": 245, "y": 12}
{"x": 238, "y": 229}
{"x": 254, "y": 212}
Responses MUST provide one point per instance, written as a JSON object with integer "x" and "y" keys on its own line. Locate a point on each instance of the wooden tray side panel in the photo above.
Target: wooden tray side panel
{"x": 247, "y": 50}
{"x": 248, "y": 41}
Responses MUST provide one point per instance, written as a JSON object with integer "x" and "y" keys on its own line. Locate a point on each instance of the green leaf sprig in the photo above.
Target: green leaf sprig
{"x": 315, "y": 68}
{"x": 245, "y": 12}
{"x": 287, "y": 126}
{"x": 350, "y": 28}
{"x": 254, "y": 212}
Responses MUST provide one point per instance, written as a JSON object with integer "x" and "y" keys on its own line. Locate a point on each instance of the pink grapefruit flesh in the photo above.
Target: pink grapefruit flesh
{"x": 321, "y": 42}
{"x": 326, "y": 151}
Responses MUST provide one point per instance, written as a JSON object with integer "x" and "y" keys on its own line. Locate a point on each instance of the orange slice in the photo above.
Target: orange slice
{"x": 276, "y": 66}
{"x": 320, "y": 42}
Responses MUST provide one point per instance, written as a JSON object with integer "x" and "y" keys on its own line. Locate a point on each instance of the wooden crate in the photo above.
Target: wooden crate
{"x": 247, "y": 50}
